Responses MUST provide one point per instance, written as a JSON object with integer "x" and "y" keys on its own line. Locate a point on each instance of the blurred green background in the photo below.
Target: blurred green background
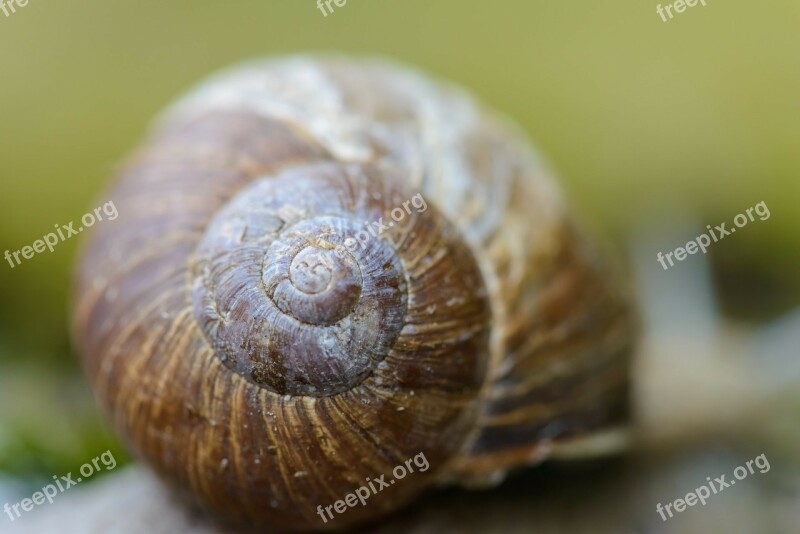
{"x": 642, "y": 120}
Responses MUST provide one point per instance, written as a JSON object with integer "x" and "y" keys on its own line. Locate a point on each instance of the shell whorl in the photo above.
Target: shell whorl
{"x": 244, "y": 319}
{"x": 293, "y": 289}
{"x": 266, "y": 349}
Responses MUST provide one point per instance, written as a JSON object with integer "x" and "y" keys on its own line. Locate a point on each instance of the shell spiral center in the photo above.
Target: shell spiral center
{"x": 285, "y": 298}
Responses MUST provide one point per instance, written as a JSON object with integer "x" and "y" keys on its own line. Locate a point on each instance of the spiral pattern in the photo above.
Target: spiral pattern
{"x": 291, "y": 294}
{"x": 266, "y": 350}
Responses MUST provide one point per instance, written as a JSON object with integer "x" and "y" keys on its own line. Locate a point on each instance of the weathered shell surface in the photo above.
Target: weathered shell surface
{"x": 249, "y": 355}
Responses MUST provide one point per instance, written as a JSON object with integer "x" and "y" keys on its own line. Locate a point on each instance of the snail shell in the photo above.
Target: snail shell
{"x": 266, "y": 350}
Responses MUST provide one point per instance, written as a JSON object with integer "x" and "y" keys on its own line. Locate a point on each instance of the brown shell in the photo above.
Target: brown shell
{"x": 265, "y": 366}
